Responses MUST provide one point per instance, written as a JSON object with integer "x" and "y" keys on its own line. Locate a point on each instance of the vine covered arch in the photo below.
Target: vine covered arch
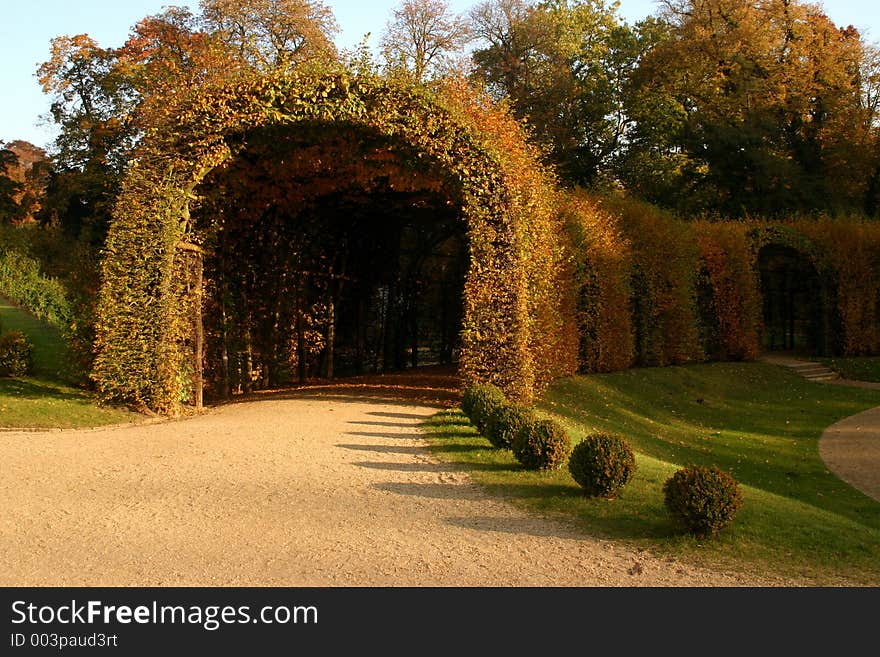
{"x": 798, "y": 287}
{"x": 516, "y": 330}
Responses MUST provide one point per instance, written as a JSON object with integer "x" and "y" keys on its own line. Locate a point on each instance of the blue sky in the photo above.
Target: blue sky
{"x": 26, "y": 27}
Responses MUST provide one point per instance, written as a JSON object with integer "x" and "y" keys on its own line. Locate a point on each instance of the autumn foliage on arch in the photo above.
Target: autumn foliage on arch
{"x": 514, "y": 331}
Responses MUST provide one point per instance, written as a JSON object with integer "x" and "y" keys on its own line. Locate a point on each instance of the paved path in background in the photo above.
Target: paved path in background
{"x": 320, "y": 488}
{"x": 851, "y": 450}
{"x": 851, "y": 447}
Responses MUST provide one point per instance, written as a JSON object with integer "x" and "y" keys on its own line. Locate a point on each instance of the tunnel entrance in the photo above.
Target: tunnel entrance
{"x": 792, "y": 302}
{"x": 269, "y": 217}
{"x": 328, "y": 254}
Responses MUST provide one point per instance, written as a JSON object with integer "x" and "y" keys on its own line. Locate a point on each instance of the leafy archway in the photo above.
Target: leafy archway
{"x": 798, "y": 292}
{"x": 327, "y": 253}
{"x": 516, "y": 329}
{"x": 792, "y": 301}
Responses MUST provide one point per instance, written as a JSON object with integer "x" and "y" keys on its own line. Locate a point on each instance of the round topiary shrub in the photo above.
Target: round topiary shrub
{"x": 503, "y": 423}
{"x": 479, "y": 401}
{"x": 541, "y": 445}
{"x": 602, "y": 464}
{"x": 702, "y": 499}
{"x": 15, "y": 354}
{"x": 468, "y": 399}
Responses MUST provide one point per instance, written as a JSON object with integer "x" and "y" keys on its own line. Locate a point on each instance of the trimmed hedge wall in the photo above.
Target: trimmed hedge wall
{"x": 23, "y": 282}
{"x": 653, "y": 289}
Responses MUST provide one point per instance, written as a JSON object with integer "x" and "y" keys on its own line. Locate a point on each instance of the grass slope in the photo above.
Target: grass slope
{"x": 857, "y": 369}
{"x": 47, "y": 399}
{"x": 759, "y": 422}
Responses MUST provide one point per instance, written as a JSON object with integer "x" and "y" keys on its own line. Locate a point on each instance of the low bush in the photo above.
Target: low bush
{"x": 541, "y": 445}
{"x": 468, "y": 399}
{"x": 702, "y": 499}
{"x": 479, "y": 401}
{"x": 22, "y": 281}
{"x": 602, "y": 464}
{"x": 15, "y": 354}
{"x": 503, "y": 423}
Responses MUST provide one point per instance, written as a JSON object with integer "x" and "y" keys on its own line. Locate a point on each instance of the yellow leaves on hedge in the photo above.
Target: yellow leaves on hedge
{"x": 517, "y": 332}
{"x": 851, "y": 249}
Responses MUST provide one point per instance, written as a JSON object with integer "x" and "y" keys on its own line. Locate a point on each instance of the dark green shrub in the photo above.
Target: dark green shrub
{"x": 479, "y": 401}
{"x": 602, "y": 464}
{"x": 468, "y": 399}
{"x": 15, "y": 354}
{"x": 503, "y": 423}
{"x": 541, "y": 445}
{"x": 702, "y": 499}
{"x": 23, "y": 282}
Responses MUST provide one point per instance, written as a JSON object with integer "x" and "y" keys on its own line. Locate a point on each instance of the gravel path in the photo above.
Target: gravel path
{"x": 314, "y": 489}
{"x": 851, "y": 450}
{"x": 851, "y": 447}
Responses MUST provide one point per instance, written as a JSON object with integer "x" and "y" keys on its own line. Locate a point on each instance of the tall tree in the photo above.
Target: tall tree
{"x": 10, "y": 189}
{"x": 273, "y": 34}
{"x": 90, "y": 100}
{"x": 511, "y": 41}
{"x": 422, "y": 36}
{"x": 91, "y": 104}
{"x": 766, "y": 99}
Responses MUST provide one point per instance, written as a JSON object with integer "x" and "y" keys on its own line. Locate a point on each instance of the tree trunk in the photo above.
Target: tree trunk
{"x": 300, "y": 344}
{"x": 331, "y": 336}
{"x": 226, "y": 383}
{"x": 414, "y": 330}
{"x": 200, "y": 335}
{"x": 248, "y": 356}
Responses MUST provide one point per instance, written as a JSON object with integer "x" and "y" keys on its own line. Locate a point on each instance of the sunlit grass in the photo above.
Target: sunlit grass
{"x": 857, "y": 369}
{"x": 48, "y": 398}
{"x": 759, "y": 422}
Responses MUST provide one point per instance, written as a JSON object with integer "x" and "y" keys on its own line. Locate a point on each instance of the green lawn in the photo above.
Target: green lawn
{"x": 858, "y": 369}
{"x": 760, "y": 422}
{"x": 48, "y": 398}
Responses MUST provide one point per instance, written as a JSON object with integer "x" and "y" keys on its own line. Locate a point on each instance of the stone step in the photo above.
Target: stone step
{"x": 817, "y": 372}
{"x": 814, "y": 371}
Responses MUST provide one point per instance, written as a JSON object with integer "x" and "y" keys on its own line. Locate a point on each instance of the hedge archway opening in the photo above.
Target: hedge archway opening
{"x": 327, "y": 256}
{"x": 793, "y": 301}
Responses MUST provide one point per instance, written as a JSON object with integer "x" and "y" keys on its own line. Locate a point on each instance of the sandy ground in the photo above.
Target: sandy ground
{"x": 851, "y": 447}
{"x": 318, "y": 488}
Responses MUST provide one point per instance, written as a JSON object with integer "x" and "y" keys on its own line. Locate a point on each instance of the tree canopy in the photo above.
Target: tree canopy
{"x": 764, "y": 107}
{"x": 422, "y": 37}
{"x": 9, "y": 187}
{"x": 710, "y": 106}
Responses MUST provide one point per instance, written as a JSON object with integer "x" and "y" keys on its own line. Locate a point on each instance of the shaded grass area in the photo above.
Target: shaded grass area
{"x": 50, "y": 356}
{"x": 857, "y": 369}
{"x": 48, "y": 398}
{"x": 759, "y": 422}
